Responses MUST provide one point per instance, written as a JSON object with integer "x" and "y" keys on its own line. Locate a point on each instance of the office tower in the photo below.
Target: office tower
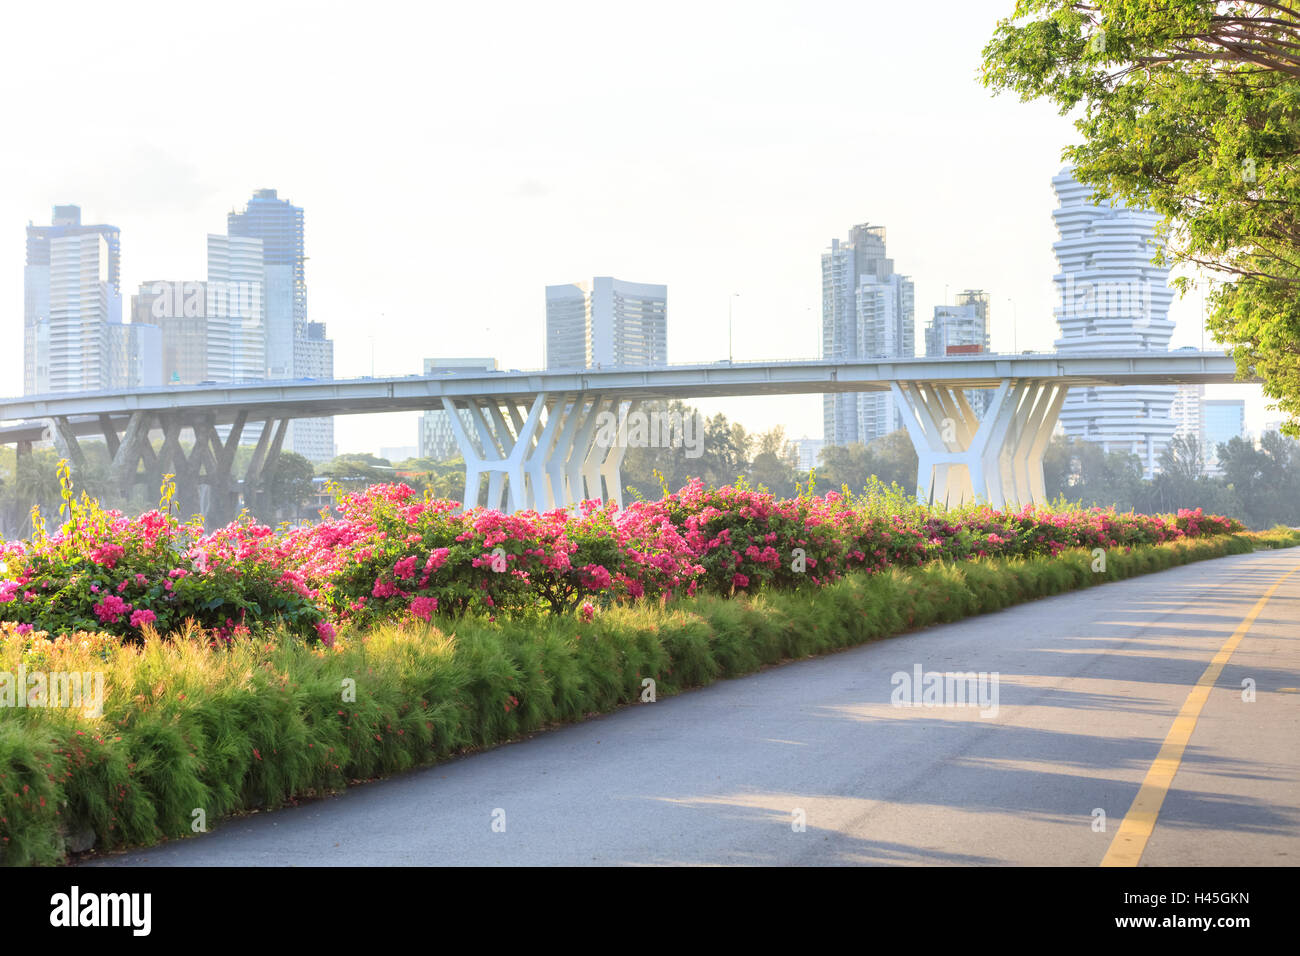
{"x": 808, "y": 450}
{"x": 1188, "y": 413}
{"x": 71, "y": 292}
{"x": 437, "y": 440}
{"x": 962, "y": 329}
{"x": 179, "y": 310}
{"x": 313, "y": 357}
{"x": 279, "y": 225}
{"x": 134, "y": 356}
{"x": 79, "y": 316}
{"x": 236, "y": 318}
{"x": 606, "y": 323}
{"x": 1225, "y": 419}
{"x": 868, "y": 311}
{"x": 295, "y": 348}
{"x": 1112, "y": 298}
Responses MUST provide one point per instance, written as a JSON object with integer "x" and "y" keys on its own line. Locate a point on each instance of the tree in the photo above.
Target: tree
{"x": 1083, "y": 471}
{"x": 1181, "y": 459}
{"x": 445, "y": 479}
{"x": 678, "y": 460}
{"x": 357, "y": 470}
{"x": 1265, "y": 479}
{"x": 36, "y": 482}
{"x": 1190, "y": 108}
{"x": 291, "y": 483}
{"x": 776, "y": 463}
{"x": 891, "y": 458}
{"x": 843, "y": 465}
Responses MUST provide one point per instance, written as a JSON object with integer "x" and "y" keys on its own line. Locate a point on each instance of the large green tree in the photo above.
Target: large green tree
{"x": 1190, "y": 108}
{"x": 891, "y": 458}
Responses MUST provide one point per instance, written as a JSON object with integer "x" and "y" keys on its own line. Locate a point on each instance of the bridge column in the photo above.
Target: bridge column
{"x": 998, "y": 460}
{"x": 612, "y": 469}
{"x": 500, "y": 452}
{"x": 133, "y": 447}
{"x": 551, "y": 457}
{"x": 224, "y": 495}
{"x": 261, "y": 469}
{"x": 67, "y": 444}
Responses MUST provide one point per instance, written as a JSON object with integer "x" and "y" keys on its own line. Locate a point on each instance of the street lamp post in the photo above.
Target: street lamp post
{"x": 1015, "y": 327}
{"x": 730, "y": 301}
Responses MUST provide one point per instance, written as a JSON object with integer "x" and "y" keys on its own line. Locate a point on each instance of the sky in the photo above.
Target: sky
{"x": 454, "y": 159}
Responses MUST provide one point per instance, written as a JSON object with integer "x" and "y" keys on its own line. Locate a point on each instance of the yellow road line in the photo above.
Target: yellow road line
{"x": 1131, "y": 838}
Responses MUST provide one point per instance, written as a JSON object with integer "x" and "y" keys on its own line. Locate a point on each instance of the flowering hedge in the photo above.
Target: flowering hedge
{"x": 745, "y": 539}
{"x": 108, "y": 573}
{"x": 390, "y": 555}
{"x": 389, "y": 552}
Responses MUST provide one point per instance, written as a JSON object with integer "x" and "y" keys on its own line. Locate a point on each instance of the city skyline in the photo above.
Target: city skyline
{"x": 740, "y": 216}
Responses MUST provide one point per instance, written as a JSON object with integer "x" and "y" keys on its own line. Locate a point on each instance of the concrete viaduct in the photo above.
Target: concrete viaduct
{"x": 533, "y": 435}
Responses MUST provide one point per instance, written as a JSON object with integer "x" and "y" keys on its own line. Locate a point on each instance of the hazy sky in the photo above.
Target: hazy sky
{"x": 453, "y": 159}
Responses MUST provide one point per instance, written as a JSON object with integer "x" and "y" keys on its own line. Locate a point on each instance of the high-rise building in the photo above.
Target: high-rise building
{"x": 1188, "y": 413}
{"x": 81, "y": 304}
{"x": 235, "y": 312}
{"x": 606, "y": 323}
{"x": 294, "y": 347}
{"x": 1225, "y": 419}
{"x": 71, "y": 292}
{"x": 1112, "y": 298}
{"x": 279, "y": 224}
{"x": 134, "y": 355}
{"x": 179, "y": 310}
{"x": 808, "y": 450}
{"x": 868, "y": 311}
{"x": 964, "y": 325}
{"x": 962, "y": 329}
{"x": 313, "y": 357}
{"x": 437, "y": 440}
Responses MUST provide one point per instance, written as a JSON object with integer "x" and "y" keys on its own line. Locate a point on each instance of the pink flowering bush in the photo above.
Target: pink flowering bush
{"x": 103, "y": 572}
{"x": 389, "y": 554}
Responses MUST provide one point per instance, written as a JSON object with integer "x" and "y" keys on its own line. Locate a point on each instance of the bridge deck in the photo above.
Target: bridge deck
{"x": 317, "y": 399}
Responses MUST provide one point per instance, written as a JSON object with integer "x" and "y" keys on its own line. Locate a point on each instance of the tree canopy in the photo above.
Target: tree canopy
{"x": 1190, "y": 108}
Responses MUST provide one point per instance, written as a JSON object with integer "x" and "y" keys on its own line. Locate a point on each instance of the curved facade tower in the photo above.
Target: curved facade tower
{"x": 1110, "y": 297}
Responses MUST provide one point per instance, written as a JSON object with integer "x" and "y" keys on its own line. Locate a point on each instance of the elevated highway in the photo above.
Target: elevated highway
{"x": 536, "y": 436}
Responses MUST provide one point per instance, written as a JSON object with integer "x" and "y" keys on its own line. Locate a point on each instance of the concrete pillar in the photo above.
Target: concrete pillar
{"x": 543, "y": 459}
{"x": 999, "y": 459}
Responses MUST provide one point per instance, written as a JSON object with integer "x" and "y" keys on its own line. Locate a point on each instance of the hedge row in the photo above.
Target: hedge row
{"x": 265, "y": 722}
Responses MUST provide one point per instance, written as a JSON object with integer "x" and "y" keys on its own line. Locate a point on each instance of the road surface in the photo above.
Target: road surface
{"x": 810, "y": 763}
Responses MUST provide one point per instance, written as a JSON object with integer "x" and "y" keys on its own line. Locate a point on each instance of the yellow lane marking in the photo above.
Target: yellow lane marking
{"x": 1131, "y": 838}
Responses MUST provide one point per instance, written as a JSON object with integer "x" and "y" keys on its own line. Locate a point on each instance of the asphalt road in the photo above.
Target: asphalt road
{"x": 1088, "y": 688}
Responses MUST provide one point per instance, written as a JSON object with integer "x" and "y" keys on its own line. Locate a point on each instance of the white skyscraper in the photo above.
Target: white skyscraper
{"x": 313, "y": 357}
{"x": 1112, "y": 298}
{"x": 606, "y": 323}
{"x": 962, "y": 329}
{"x": 82, "y": 304}
{"x": 867, "y": 312}
{"x": 1188, "y": 413}
{"x": 235, "y": 309}
{"x": 82, "y": 278}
